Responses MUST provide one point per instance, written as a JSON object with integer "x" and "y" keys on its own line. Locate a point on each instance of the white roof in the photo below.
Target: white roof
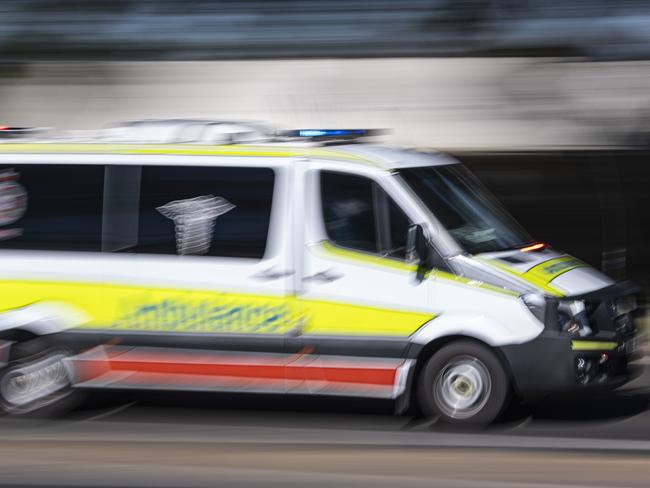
{"x": 197, "y": 137}
{"x": 395, "y": 158}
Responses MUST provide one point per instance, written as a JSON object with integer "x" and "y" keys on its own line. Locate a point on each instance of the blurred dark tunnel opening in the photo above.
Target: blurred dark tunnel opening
{"x": 590, "y": 203}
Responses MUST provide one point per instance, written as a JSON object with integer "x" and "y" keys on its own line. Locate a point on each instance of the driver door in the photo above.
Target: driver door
{"x": 359, "y": 296}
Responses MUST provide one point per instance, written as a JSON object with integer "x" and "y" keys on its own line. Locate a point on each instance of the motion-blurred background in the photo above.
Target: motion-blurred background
{"x": 547, "y": 100}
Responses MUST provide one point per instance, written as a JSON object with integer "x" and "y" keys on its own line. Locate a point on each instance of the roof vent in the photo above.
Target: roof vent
{"x": 175, "y": 131}
{"x": 7, "y": 132}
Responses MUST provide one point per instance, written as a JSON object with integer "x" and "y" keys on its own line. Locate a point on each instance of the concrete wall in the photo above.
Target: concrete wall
{"x": 461, "y": 102}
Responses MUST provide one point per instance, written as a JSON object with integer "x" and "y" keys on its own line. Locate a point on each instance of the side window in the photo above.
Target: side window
{"x": 51, "y": 207}
{"x": 348, "y": 211}
{"x": 210, "y": 211}
{"x": 399, "y": 226}
{"x": 359, "y": 215}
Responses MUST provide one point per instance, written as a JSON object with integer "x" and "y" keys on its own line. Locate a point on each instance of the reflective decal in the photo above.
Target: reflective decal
{"x": 158, "y": 309}
{"x": 219, "y": 314}
{"x": 336, "y": 318}
{"x": 232, "y": 150}
{"x": 194, "y": 220}
{"x": 551, "y": 269}
{"x": 593, "y": 345}
{"x": 169, "y": 368}
{"x": 328, "y": 249}
{"x": 211, "y": 311}
{"x": 539, "y": 280}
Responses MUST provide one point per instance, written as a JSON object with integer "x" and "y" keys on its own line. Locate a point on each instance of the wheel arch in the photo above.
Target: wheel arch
{"x": 422, "y": 353}
{"x": 35, "y": 320}
{"x": 40, "y": 318}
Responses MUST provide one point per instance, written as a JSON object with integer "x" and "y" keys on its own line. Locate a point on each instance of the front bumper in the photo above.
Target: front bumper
{"x": 554, "y": 363}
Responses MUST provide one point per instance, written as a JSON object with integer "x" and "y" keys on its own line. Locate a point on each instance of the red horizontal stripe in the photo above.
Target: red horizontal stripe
{"x": 369, "y": 376}
{"x": 269, "y": 371}
{"x": 220, "y": 383}
{"x": 252, "y": 367}
{"x": 374, "y": 376}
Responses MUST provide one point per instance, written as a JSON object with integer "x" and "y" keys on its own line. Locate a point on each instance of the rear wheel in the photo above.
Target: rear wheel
{"x": 464, "y": 382}
{"x": 36, "y": 380}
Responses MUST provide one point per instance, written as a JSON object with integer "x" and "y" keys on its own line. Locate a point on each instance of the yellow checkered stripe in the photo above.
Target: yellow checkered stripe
{"x": 327, "y": 248}
{"x": 542, "y": 274}
{"x": 135, "y": 308}
{"x": 593, "y": 345}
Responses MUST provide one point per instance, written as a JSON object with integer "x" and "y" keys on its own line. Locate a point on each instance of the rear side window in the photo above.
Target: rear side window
{"x": 179, "y": 210}
{"x": 185, "y": 210}
{"x": 51, "y": 207}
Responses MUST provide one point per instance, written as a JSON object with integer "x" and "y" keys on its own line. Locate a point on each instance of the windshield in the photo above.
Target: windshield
{"x": 465, "y": 208}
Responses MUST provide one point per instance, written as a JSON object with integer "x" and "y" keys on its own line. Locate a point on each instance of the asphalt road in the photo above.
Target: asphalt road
{"x": 216, "y": 440}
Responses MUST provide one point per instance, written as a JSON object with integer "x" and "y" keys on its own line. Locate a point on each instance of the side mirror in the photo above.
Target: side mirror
{"x": 418, "y": 250}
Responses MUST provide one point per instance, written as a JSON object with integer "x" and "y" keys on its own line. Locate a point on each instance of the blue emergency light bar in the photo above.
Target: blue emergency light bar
{"x": 330, "y": 133}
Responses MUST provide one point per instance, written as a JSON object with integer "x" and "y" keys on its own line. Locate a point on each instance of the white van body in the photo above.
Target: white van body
{"x": 318, "y": 310}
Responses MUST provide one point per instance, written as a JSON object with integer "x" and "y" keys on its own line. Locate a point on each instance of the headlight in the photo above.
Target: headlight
{"x": 568, "y": 316}
{"x": 572, "y": 318}
{"x": 537, "y": 305}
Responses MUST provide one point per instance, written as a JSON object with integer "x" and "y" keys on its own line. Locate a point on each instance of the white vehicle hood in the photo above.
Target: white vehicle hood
{"x": 550, "y": 271}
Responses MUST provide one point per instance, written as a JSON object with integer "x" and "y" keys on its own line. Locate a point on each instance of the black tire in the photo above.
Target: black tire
{"x": 463, "y": 383}
{"x": 23, "y": 356}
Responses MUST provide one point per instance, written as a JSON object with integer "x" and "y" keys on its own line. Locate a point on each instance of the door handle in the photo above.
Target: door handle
{"x": 326, "y": 276}
{"x": 272, "y": 274}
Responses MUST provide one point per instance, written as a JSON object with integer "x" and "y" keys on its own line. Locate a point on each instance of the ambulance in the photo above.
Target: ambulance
{"x": 305, "y": 262}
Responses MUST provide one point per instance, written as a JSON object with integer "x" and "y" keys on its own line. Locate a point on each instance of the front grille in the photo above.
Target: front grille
{"x": 625, "y": 326}
{"x": 614, "y": 314}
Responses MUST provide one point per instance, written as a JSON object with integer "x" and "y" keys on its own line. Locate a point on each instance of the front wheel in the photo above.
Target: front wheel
{"x": 464, "y": 382}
